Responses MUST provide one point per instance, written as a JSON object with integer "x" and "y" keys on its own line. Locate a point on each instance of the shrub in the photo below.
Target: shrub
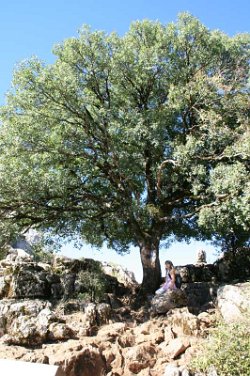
{"x": 3, "y": 253}
{"x": 41, "y": 255}
{"x": 227, "y": 350}
{"x": 94, "y": 283}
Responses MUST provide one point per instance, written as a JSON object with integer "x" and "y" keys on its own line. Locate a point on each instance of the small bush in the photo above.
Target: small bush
{"x": 94, "y": 284}
{"x": 227, "y": 350}
{"x": 41, "y": 255}
{"x": 3, "y": 253}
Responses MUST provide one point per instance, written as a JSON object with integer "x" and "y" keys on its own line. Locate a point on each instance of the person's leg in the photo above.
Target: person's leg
{"x": 160, "y": 291}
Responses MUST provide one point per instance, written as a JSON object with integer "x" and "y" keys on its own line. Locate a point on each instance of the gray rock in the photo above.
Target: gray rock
{"x": 103, "y": 312}
{"x": 172, "y": 370}
{"x": 29, "y": 281}
{"x": 122, "y": 274}
{"x": 201, "y": 257}
{"x": 234, "y": 301}
{"x": 199, "y": 293}
{"x": 30, "y": 323}
{"x": 197, "y": 273}
{"x": 169, "y": 300}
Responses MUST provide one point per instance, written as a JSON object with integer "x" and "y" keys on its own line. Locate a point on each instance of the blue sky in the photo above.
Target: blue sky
{"x": 32, "y": 27}
{"x": 29, "y": 28}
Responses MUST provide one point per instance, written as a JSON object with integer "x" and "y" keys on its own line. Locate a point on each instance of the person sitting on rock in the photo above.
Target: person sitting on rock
{"x": 169, "y": 283}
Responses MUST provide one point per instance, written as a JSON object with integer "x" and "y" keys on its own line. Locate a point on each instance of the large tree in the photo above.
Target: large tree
{"x": 130, "y": 140}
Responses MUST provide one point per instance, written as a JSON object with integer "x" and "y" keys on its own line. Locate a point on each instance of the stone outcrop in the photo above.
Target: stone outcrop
{"x": 42, "y": 318}
{"x": 34, "y": 322}
{"x": 199, "y": 294}
{"x": 201, "y": 257}
{"x": 26, "y": 279}
{"x": 30, "y": 323}
{"x": 234, "y": 302}
{"x": 120, "y": 348}
{"x": 171, "y": 299}
{"x": 234, "y": 266}
{"x": 228, "y": 267}
{"x": 122, "y": 275}
{"x": 198, "y": 273}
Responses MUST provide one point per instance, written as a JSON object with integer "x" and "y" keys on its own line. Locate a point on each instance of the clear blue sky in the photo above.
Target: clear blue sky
{"x": 29, "y": 28}
{"x": 32, "y": 27}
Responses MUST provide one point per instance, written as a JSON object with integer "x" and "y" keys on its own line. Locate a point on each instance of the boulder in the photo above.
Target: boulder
{"x": 18, "y": 255}
{"x": 139, "y": 357}
{"x": 82, "y": 360}
{"x": 4, "y": 287}
{"x": 60, "y": 332}
{"x": 121, "y": 274}
{"x": 29, "y": 323}
{"x": 200, "y": 293}
{"x": 182, "y": 322}
{"x": 27, "y": 280}
{"x": 234, "y": 301}
{"x": 171, "y": 299}
{"x": 201, "y": 257}
{"x": 111, "y": 332}
{"x": 234, "y": 266}
{"x": 173, "y": 370}
{"x": 103, "y": 313}
{"x": 175, "y": 347}
{"x": 197, "y": 273}
{"x": 114, "y": 359}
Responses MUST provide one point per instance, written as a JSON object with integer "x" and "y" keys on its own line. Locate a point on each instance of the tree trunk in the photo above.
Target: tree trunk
{"x": 149, "y": 251}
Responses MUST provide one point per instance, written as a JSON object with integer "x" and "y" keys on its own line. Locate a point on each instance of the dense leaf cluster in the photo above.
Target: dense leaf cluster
{"x": 227, "y": 350}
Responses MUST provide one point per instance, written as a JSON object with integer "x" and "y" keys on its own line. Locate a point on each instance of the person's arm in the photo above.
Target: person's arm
{"x": 172, "y": 275}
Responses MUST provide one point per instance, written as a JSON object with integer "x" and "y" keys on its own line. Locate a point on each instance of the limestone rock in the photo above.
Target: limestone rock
{"x": 197, "y": 273}
{"x": 139, "y": 357}
{"x": 85, "y": 339}
{"x": 21, "y": 277}
{"x": 234, "y": 301}
{"x": 234, "y": 266}
{"x": 28, "y": 323}
{"x": 114, "y": 359}
{"x": 4, "y": 287}
{"x": 18, "y": 255}
{"x": 173, "y": 370}
{"x": 110, "y": 333}
{"x": 103, "y": 312}
{"x": 169, "y": 300}
{"x": 149, "y": 332}
{"x": 123, "y": 275}
{"x": 28, "y": 281}
{"x": 182, "y": 322}
{"x": 200, "y": 293}
{"x": 84, "y": 361}
{"x": 175, "y": 347}
{"x": 60, "y": 332}
{"x": 201, "y": 257}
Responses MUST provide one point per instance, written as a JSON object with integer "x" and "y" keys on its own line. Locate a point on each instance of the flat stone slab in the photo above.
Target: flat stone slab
{"x": 19, "y": 368}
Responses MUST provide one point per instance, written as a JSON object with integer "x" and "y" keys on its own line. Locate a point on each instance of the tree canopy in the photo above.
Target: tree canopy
{"x": 131, "y": 140}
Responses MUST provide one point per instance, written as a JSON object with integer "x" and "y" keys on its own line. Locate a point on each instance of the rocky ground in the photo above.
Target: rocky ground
{"x": 110, "y": 338}
{"x": 125, "y": 347}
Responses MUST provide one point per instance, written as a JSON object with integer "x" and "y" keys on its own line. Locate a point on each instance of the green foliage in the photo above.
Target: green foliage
{"x": 41, "y": 255}
{"x": 94, "y": 283}
{"x": 131, "y": 140}
{"x": 9, "y": 231}
{"x": 3, "y": 253}
{"x": 227, "y": 350}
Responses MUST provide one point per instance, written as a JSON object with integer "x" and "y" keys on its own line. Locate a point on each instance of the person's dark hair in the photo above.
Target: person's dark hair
{"x": 170, "y": 263}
